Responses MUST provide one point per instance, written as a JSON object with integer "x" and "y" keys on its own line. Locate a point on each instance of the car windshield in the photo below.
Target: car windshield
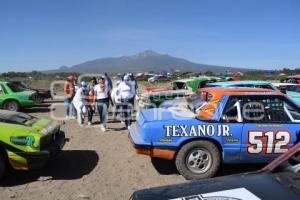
{"x": 179, "y": 85}
{"x": 16, "y": 87}
{"x": 288, "y": 173}
{"x": 196, "y": 101}
{"x": 24, "y": 85}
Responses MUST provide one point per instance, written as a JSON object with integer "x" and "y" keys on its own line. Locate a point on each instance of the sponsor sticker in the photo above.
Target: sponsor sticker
{"x": 23, "y": 140}
{"x": 197, "y": 130}
{"x": 234, "y": 194}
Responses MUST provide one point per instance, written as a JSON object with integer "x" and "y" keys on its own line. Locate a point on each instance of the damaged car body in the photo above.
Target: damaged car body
{"x": 27, "y": 142}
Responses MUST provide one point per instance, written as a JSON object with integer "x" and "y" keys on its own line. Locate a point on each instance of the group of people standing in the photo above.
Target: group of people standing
{"x": 86, "y": 98}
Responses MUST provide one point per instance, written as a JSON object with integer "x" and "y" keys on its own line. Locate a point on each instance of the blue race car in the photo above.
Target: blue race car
{"x": 234, "y": 125}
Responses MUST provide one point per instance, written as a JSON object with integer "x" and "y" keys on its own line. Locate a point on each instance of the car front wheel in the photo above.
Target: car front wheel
{"x": 11, "y": 106}
{"x": 198, "y": 159}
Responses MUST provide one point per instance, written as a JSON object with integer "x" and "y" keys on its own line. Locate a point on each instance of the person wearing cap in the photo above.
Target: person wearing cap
{"x": 69, "y": 92}
{"x": 80, "y": 103}
{"x": 102, "y": 101}
{"x": 125, "y": 94}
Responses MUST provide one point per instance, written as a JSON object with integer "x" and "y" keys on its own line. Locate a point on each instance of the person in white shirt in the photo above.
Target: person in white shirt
{"x": 79, "y": 102}
{"x": 125, "y": 94}
{"x": 102, "y": 101}
{"x": 115, "y": 100}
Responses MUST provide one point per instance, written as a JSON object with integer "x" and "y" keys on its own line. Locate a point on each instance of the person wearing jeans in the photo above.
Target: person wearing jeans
{"x": 80, "y": 103}
{"x": 69, "y": 92}
{"x": 102, "y": 101}
{"x": 126, "y": 93}
{"x": 91, "y": 107}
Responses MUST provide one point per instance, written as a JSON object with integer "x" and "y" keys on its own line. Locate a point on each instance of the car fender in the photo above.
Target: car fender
{"x": 9, "y": 99}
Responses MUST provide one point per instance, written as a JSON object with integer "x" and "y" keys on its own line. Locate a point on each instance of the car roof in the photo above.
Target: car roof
{"x": 229, "y": 83}
{"x": 197, "y": 78}
{"x": 284, "y": 84}
{"x": 241, "y": 91}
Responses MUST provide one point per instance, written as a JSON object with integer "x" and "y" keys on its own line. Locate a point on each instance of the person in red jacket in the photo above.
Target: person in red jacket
{"x": 69, "y": 92}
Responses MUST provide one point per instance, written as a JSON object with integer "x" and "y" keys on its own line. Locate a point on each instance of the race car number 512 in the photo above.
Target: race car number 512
{"x": 268, "y": 142}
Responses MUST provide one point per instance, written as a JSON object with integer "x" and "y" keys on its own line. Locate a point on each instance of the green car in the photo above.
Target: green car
{"x": 194, "y": 83}
{"x": 154, "y": 97}
{"x": 27, "y": 142}
{"x": 13, "y": 97}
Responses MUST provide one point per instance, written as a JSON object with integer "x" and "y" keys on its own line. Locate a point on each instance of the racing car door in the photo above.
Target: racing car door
{"x": 232, "y": 119}
{"x": 271, "y": 127}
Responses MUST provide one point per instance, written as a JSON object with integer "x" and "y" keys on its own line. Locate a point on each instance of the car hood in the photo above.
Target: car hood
{"x": 251, "y": 186}
{"x": 27, "y": 92}
{"x": 14, "y": 117}
{"x": 293, "y": 94}
{"x": 163, "y": 114}
{"x": 39, "y": 125}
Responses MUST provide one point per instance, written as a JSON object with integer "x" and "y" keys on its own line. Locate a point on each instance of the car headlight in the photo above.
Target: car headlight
{"x": 49, "y": 128}
{"x": 44, "y": 131}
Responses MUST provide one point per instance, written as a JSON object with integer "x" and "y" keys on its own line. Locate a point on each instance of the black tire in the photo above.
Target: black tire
{"x": 11, "y": 105}
{"x": 39, "y": 100}
{"x": 198, "y": 159}
{"x": 2, "y": 164}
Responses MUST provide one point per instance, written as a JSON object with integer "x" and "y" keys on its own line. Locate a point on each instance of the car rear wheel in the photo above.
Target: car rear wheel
{"x": 198, "y": 159}
{"x": 2, "y": 165}
{"x": 11, "y": 106}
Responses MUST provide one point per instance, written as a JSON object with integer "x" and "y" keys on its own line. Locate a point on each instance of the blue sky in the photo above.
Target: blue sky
{"x": 45, "y": 34}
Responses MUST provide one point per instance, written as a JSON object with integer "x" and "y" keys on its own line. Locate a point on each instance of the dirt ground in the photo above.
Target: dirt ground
{"x": 93, "y": 165}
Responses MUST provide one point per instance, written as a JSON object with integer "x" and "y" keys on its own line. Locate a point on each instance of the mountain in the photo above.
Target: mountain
{"x": 144, "y": 61}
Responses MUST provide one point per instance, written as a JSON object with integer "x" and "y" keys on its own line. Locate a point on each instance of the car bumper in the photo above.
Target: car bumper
{"x": 36, "y": 160}
{"x": 145, "y": 148}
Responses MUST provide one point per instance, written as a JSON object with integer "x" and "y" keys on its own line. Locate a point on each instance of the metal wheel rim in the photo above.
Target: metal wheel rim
{"x": 11, "y": 107}
{"x": 198, "y": 160}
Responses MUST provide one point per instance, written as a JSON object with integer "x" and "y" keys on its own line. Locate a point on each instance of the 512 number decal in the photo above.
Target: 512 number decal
{"x": 268, "y": 142}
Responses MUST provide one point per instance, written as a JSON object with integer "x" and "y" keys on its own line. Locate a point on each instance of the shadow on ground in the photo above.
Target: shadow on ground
{"x": 166, "y": 167}
{"x": 69, "y": 165}
{"x": 43, "y": 108}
